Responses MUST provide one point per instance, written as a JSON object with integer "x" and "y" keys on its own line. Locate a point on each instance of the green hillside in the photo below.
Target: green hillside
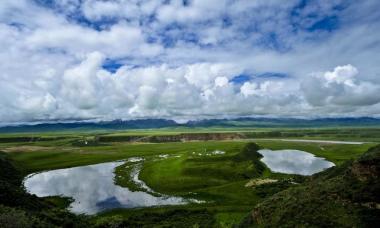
{"x": 343, "y": 196}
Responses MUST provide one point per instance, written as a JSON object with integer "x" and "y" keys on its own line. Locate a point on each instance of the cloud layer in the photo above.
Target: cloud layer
{"x": 92, "y": 59}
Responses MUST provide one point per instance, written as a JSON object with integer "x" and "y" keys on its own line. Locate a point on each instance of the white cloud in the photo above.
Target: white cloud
{"x": 340, "y": 87}
{"x": 80, "y": 85}
{"x": 197, "y": 10}
{"x": 249, "y": 89}
{"x": 179, "y": 61}
{"x": 120, "y": 40}
{"x": 96, "y": 10}
{"x": 221, "y": 81}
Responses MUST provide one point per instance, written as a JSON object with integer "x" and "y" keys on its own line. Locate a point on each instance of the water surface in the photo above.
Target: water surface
{"x": 93, "y": 189}
{"x": 294, "y": 162}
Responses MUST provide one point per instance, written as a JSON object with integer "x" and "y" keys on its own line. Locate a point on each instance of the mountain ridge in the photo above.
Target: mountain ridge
{"x": 242, "y": 122}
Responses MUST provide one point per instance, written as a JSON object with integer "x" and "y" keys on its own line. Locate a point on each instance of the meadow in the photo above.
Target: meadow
{"x": 188, "y": 169}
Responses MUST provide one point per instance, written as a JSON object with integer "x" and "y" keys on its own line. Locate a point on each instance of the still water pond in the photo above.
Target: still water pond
{"x": 93, "y": 189}
{"x": 294, "y": 162}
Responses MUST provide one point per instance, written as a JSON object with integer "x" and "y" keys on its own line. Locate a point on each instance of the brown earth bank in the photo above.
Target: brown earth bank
{"x": 183, "y": 137}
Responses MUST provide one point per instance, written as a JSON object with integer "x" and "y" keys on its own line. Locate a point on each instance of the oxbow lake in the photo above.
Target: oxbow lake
{"x": 93, "y": 189}
{"x": 294, "y": 162}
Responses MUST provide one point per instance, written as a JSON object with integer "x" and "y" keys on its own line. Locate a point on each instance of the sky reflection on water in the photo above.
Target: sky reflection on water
{"x": 93, "y": 189}
{"x": 294, "y": 162}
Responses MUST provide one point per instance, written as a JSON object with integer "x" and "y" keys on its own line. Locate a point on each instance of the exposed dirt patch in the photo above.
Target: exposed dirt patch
{"x": 183, "y": 137}
{"x": 256, "y": 182}
{"x": 26, "y": 149}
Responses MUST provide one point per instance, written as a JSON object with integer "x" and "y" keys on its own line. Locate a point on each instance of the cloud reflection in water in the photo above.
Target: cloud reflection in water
{"x": 93, "y": 189}
{"x": 294, "y": 162}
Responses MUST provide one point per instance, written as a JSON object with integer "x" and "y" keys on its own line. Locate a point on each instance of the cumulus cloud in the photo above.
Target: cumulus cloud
{"x": 94, "y": 59}
{"x": 80, "y": 84}
{"x": 342, "y": 86}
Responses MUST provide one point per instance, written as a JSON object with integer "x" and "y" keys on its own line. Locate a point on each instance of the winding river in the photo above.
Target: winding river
{"x": 93, "y": 189}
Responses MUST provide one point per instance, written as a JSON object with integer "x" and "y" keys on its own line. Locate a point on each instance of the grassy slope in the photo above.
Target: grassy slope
{"x": 344, "y": 196}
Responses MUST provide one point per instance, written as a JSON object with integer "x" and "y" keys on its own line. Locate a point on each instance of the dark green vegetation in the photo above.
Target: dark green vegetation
{"x": 20, "y": 209}
{"x": 166, "y": 218}
{"x": 343, "y": 196}
{"x": 188, "y": 169}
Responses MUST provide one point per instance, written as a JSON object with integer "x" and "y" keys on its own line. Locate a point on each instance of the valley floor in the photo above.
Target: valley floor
{"x": 189, "y": 169}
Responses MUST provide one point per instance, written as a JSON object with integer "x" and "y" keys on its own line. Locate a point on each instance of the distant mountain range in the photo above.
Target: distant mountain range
{"x": 227, "y": 123}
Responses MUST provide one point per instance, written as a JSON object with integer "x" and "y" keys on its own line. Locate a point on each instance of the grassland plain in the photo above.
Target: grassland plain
{"x": 186, "y": 169}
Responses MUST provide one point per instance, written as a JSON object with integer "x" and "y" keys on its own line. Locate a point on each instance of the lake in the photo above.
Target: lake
{"x": 294, "y": 162}
{"x": 93, "y": 189}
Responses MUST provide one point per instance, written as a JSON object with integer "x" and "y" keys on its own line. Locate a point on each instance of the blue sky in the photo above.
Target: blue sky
{"x": 184, "y": 60}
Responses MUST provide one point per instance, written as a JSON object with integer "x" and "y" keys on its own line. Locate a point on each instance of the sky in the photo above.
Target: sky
{"x": 90, "y": 60}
